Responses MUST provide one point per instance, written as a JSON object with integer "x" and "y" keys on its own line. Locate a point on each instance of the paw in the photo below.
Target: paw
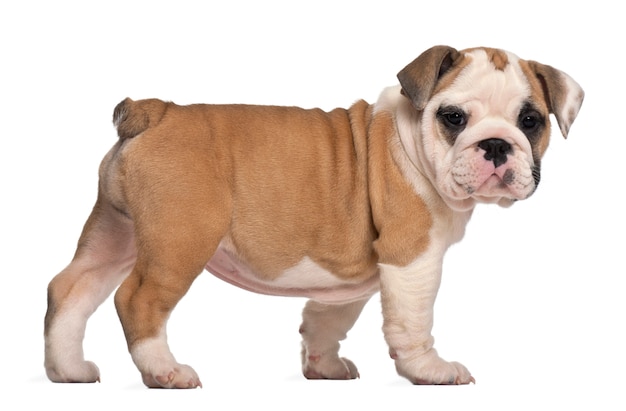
{"x": 432, "y": 370}
{"x": 84, "y": 371}
{"x": 179, "y": 376}
{"x": 317, "y": 367}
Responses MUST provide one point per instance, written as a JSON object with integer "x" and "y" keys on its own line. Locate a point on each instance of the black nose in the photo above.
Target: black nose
{"x": 495, "y": 150}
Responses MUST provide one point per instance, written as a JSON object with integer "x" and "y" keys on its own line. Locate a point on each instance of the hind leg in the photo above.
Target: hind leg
{"x": 173, "y": 249}
{"x": 104, "y": 256}
{"x": 323, "y": 326}
{"x": 144, "y": 302}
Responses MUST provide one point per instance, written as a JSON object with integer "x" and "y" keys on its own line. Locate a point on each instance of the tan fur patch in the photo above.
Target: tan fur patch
{"x": 404, "y": 223}
{"x": 314, "y": 177}
{"x": 498, "y": 57}
{"x": 294, "y": 186}
{"x": 541, "y": 101}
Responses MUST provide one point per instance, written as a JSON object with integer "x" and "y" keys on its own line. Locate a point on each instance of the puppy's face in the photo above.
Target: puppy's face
{"x": 486, "y": 125}
{"x": 489, "y": 131}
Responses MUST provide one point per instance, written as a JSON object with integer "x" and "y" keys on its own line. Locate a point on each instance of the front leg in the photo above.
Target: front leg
{"x": 408, "y": 296}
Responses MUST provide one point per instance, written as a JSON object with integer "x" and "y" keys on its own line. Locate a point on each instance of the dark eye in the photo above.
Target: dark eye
{"x": 452, "y": 117}
{"x": 530, "y": 121}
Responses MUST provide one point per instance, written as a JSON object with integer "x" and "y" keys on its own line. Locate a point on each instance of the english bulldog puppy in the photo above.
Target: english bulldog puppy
{"x": 332, "y": 206}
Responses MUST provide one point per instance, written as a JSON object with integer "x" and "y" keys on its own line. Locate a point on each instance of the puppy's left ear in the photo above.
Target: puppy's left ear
{"x": 563, "y": 95}
{"x": 418, "y": 78}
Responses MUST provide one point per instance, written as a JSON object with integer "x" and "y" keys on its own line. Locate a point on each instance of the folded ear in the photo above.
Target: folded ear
{"x": 563, "y": 95}
{"x": 418, "y": 78}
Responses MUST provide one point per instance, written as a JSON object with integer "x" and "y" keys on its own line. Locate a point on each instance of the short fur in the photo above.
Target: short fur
{"x": 333, "y": 206}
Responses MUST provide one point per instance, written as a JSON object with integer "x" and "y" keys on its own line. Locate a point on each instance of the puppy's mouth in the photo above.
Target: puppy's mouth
{"x": 485, "y": 182}
{"x": 499, "y": 179}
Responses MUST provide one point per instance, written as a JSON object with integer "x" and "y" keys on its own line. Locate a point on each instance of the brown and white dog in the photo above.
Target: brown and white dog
{"x": 332, "y": 206}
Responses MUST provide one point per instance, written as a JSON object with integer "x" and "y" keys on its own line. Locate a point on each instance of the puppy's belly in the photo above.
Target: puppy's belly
{"x": 306, "y": 279}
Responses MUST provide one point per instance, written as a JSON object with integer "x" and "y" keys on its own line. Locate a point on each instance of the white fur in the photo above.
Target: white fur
{"x": 307, "y": 274}
{"x": 408, "y": 296}
{"x": 305, "y": 279}
{"x": 405, "y": 149}
{"x": 159, "y": 367}
{"x": 64, "y": 357}
{"x": 65, "y": 360}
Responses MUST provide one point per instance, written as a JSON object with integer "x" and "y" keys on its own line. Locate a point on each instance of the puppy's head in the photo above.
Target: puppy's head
{"x": 485, "y": 121}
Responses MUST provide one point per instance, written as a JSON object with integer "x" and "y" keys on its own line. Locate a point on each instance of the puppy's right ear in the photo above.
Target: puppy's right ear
{"x": 418, "y": 78}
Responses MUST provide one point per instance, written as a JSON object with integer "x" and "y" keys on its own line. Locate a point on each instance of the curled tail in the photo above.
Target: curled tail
{"x": 134, "y": 117}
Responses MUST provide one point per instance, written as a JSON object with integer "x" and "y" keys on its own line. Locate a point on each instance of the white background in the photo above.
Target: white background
{"x": 532, "y": 300}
